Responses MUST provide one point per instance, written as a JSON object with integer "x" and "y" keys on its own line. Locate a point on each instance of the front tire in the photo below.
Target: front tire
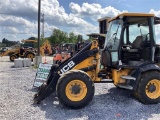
{"x": 148, "y": 91}
{"x": 75, "y": 89}
{"x": 13, "y": 57}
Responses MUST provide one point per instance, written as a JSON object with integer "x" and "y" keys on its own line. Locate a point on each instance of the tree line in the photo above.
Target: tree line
{"x": 60, "y": 37}
{"x": 8, "y": 43}
{"x": 57, "y": 37}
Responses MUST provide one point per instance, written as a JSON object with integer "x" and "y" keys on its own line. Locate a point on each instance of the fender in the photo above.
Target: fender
{"x": 141, "y": 69}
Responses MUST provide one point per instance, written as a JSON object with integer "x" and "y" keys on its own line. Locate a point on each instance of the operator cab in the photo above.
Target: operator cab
{"x": 130, "y": 40}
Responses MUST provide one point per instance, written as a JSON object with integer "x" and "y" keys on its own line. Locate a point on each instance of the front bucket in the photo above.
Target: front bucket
{"x": 47, "y": 87}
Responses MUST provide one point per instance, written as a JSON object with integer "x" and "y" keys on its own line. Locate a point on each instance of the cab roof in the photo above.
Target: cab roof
{"x": 28, "y": 41}
{"x": 132, "y": 14}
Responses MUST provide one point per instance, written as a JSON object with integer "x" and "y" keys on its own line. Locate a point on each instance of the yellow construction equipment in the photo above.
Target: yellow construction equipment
{"x": 9, "y": 52}
{"x": 130, "y": 59}
{"x": 45, "y": 48}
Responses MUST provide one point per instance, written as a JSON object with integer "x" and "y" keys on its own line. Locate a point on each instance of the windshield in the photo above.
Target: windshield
{"x": 113, "y": 34}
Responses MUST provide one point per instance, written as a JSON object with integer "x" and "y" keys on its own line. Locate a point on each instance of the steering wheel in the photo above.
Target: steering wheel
{"x": 114, "y": 37}
{"x": 147, "y": 40}
{"x": 147, "y": 36}
{"x": 110, "y": 42}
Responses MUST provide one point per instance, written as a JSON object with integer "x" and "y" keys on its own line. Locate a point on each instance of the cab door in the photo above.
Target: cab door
{"x": 112, "y": 42}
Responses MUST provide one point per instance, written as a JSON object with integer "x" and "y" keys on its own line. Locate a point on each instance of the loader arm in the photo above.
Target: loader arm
{"x": 8, "y": 51}
{"x": 57, "y": 71}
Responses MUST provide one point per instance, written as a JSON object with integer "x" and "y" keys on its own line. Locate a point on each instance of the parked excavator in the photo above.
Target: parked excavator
{"x": 45, "y": 48}
{"x": 130, "y": 59}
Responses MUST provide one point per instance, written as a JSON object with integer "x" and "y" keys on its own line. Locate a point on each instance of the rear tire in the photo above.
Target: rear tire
{"x": 148, "y": 90}
{"x": 75, "y": 89}
{"x": 30, "y": 55}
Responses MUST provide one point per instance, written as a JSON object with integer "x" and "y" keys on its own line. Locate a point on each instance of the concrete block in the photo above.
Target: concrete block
{"x": 26, "y": 62}
{"x": 18, "y": 63}
{"x": 29, "y": 62}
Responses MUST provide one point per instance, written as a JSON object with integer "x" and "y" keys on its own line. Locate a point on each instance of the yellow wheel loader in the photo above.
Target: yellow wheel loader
{"x": 45, "y": 48}
{"x": 130, "y": 58}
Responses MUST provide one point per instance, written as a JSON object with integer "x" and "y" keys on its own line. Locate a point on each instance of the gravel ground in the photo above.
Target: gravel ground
{"x": 109, "y": 103}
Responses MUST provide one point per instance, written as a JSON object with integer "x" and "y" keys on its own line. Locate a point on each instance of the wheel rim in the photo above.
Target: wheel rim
{"x": 153, "y": 89}
{"x": 30, "y": 56}
{"x": 76, "y": 90}
{"x": 13, "y": 57}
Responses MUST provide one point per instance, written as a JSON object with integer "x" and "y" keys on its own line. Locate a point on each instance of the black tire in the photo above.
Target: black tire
{"x": 148, "y": 90}
{"x": 30, "y": 55}
{"x": 83, "y": 99}
{"x": 12, "y": 57}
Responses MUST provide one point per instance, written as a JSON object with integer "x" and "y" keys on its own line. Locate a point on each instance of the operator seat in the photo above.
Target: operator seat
{"x": 137, "y": 42}
{"x": 133, "y": 53}
{"x": 136, "y": 45}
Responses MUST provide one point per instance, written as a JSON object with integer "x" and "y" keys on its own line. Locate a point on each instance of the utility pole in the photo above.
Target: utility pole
{"x": 38, "y": 58}
{"x": 39, "y": 18}
{"x": 42, "y": 20}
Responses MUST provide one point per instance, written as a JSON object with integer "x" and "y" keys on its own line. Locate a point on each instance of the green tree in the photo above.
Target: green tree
{"x": 72, "y": 38}
{"x": 56, "y": 37}
{"x": 79, "y": 39}
{"x": 32, "y": 38}
{"x": 8, "y": 43}
{"x": 59, "y": 37}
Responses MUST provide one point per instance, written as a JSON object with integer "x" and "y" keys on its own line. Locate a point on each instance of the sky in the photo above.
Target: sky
{"x": 18, "y": 18}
